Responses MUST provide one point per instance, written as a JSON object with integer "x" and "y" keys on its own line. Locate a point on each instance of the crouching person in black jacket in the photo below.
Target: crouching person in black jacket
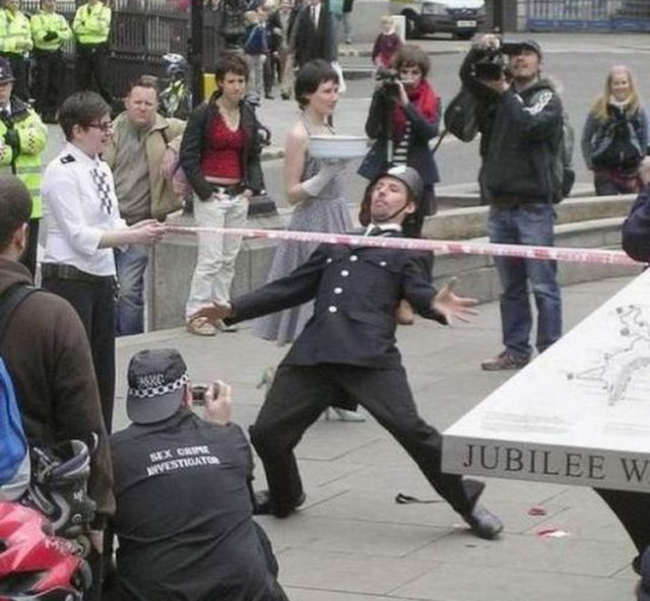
{"x": 184, "y": 504}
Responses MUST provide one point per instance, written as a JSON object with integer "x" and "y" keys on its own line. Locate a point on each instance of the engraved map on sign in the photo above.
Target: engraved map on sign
{"x": 620, "y": 370}
{"x": 578, "y": 413}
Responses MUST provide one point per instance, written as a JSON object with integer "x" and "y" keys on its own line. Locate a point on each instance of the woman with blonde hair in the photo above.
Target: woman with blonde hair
{"x": 615, "y": 135}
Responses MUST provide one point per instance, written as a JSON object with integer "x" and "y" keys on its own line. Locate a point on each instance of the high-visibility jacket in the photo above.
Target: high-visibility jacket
{"x": 92, "y": 24}
{"x": 26, "y": 164}
{"x": 15, "y": 34}
{"x": 43, "y": 23}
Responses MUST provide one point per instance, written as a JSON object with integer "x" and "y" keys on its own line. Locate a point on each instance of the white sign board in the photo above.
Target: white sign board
{"x": 578, "y": 414}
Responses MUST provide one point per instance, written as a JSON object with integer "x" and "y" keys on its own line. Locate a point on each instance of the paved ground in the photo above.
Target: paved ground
{"x": 351, "y": 542}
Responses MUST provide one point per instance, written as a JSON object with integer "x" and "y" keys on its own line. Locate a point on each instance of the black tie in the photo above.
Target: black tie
{"x": 103, "y": 188}
{"x": 4, "y": 115}
{"x": 375, "y": 230}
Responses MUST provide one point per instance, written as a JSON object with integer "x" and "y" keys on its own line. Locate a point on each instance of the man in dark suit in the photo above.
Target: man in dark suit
{"x": 314, "y": 33}
{"x": 348, "y": 350}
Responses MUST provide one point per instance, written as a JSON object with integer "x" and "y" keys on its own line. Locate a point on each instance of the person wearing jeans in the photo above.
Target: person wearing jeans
{"x": 521, "y": 120}
{"x": 531, "y": 225}
{"x": 130, "y": 263}
{"x": 134, "y": 153}
{"x": 220, "y": 155}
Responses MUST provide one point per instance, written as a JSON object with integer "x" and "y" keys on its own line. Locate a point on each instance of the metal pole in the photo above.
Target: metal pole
{"x": 195, "y": 51}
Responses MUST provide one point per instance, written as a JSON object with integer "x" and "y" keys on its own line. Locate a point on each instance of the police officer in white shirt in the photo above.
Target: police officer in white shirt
{"x": 83, "y": 225}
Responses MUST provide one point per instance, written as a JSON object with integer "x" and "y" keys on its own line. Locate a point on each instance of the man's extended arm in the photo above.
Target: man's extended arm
{"x": 299, "y": 287}
{"x": 443, "y": 305}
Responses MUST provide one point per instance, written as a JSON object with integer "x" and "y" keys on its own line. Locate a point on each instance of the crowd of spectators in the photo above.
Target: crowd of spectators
{"x": 106, "y": 200}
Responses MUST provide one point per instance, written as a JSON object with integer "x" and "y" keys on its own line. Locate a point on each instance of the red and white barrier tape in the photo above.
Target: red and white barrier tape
{"x": 554, "y": 253}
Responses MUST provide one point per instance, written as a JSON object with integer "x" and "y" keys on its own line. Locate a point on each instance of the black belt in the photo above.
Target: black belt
{"x": 59, "y": 271}
{"x": 44, "y": 52}
{"x": 232, "y": 190}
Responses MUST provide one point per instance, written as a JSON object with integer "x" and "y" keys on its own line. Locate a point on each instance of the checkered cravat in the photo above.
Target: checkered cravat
{"x": 103, "y": 188}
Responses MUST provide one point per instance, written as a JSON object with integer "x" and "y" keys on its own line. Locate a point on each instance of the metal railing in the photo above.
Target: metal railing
{"x": 587, "y": 15}
{"x": 142, "y": 31}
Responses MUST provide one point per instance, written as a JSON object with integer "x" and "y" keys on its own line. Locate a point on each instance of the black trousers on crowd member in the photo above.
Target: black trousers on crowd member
{"x": 633, "y": 511}
{"x": 271, "y": 67}
{"x": 92, "y": 64}
{"x": 49, "y": 74}
{"x": 300, "y": 394}
{"x": 20, "y": 69}
{"x": 29, "y": 256}
{"x": 94, "y": 302}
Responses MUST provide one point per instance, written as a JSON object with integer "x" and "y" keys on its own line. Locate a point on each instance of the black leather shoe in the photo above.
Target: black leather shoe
{"x": 484, "y": 523}
{"x": 264, "y": 505}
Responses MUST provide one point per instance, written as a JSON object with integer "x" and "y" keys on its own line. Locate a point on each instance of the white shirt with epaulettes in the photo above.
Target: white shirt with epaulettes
{"x": 75, "y": 217}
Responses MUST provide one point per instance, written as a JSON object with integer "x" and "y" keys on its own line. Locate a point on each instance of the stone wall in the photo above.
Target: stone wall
{"x": 582, "y": 222}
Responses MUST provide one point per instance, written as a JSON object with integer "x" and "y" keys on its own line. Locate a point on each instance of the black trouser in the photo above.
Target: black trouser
{"x": 29, "y": 256}
{"x": 95, "y": 305}
{"x": 269, "y": 70}
{"x": 299, "y": 394}
{"x": 48, "y": 81}
{"x": 633, "y": 511}
{"x": 20, "y": 69}
{"x": 92, "y": 63}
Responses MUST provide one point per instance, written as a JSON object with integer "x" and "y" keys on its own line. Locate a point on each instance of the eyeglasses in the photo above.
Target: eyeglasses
{"x": 105, "y": 127}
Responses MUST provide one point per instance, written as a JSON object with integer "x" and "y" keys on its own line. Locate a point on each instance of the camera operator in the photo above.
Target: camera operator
{"x": 182, "y": 487}
{"x": 520, "y": 117}
{"x": 404, "y": 116}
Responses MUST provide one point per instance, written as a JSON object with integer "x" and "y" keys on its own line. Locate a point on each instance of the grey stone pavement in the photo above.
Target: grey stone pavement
{"x": 352, "y": 542}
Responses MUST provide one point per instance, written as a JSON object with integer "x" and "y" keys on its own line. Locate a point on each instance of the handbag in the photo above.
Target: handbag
{"x": 173, "y": 174}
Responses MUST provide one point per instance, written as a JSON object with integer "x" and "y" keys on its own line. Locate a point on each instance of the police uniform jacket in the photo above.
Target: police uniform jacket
{"x": 356, "y": 292}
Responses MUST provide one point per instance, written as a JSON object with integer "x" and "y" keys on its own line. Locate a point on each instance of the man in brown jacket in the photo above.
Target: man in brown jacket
{"x": 48, "y": 357}
{"x": 135, "y": 154}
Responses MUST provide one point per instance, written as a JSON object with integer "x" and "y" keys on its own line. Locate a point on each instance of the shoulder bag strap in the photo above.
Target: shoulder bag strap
{"x": 9, "y": 301}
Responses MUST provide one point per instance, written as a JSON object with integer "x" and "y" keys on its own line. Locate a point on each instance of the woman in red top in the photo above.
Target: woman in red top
{"x": 220, "y": 155}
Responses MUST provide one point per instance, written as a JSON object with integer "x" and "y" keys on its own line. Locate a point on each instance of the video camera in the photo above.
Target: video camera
{"x": 388, "y": 79}
{"x": 489, "y": 61}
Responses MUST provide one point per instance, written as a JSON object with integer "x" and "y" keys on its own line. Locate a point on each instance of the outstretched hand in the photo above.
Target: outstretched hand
{"x": 212, "y": 313}
{"x": 452, "y": 306}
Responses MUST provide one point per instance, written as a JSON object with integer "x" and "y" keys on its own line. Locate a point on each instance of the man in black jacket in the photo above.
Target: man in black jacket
{"x": 184, "y": 505}
{"x": 520, "y": 118}
{"x": 348, "y": 350}
{"x": 314, "y": 33}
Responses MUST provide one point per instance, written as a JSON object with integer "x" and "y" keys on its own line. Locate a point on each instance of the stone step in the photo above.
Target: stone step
{"x": 582, "y": 223}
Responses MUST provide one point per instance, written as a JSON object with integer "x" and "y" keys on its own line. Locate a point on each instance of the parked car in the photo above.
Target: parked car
{"x": 461, "y": 18}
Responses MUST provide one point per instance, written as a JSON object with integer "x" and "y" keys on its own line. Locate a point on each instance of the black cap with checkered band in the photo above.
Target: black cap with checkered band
{"x": 157, "y": 380}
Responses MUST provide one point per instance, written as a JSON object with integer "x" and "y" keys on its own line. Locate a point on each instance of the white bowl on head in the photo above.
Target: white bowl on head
{"x": 338, "y": 147}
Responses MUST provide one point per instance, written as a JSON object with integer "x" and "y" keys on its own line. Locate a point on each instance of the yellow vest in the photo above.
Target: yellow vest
{"x": 15, "y": 35}
{"x": 92, "y": 25}
{"x": 43, "y": 23}
{"x": 27, "y": 164}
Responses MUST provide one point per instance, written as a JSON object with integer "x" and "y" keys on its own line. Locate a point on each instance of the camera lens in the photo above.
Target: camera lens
{"x": 198, "y": 393}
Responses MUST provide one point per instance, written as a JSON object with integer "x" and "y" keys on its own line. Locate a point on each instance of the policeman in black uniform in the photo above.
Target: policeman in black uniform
{"x": 348, "y": 350}
{"x": 182, "y": 487}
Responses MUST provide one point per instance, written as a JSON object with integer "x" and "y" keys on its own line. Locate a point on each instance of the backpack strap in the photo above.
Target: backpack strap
{"x": 9, "y": 301}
